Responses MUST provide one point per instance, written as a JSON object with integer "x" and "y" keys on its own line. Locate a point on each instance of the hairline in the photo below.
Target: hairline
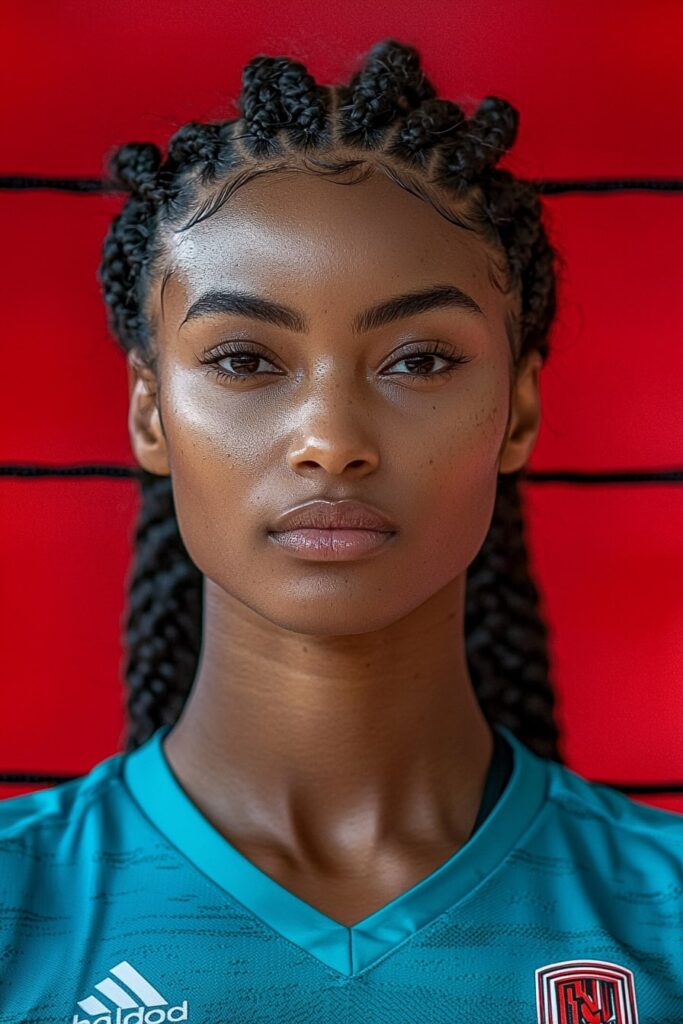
{"x": 217, "y": 195}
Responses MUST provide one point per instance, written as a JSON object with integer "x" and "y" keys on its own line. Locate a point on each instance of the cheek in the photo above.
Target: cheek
{"x": 207, "y": 424}
{"x": 214, "y": 454}
{"x": 454, "y": 482}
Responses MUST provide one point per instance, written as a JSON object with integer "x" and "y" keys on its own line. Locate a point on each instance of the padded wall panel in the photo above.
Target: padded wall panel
{"x": 612, "y": 384}
{"x": 64, "y": 390}
{"x": 64, "y": 549}
{"x": 608, "y": 560}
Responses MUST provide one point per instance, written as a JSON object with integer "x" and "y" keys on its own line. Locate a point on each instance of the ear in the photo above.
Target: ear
{"x": 144, "y": 423}
{"x": 525, "y": 414}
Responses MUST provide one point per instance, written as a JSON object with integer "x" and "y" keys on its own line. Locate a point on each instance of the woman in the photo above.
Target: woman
{"x": 342, "y": 797}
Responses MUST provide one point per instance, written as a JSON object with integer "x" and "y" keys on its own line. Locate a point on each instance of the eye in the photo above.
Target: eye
{"x": 419, "y": 358}
{"x": 244, "y": 357}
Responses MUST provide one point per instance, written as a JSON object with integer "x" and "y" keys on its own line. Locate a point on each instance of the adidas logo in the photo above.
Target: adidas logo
{"x": 128, "y": 1009}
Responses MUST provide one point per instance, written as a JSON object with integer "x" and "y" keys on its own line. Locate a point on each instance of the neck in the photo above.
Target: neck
{"x": 316, "y": 739}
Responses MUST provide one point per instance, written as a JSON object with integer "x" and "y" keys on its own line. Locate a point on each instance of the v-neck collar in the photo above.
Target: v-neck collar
{"x": 348, "y": 950}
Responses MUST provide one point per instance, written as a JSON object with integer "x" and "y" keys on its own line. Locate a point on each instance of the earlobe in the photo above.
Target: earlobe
{"x": 525, "y": 415}
{"x": 144, "y": 424}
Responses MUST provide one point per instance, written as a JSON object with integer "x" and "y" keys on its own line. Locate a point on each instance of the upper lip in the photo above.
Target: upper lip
{"x": 341, "y": 515}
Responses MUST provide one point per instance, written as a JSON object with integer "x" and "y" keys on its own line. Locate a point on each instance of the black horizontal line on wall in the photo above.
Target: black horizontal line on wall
{"x": 546, "y": 186}
{"x": 30, "y": 181}
{"x": 558, "y": 186}
{"x": 627, "y": 476}
{"x": 24, "y": 469}
{"x": 546, "y": 476}
{"x": 28, "y": 778}
{"x": 634, "y": 788}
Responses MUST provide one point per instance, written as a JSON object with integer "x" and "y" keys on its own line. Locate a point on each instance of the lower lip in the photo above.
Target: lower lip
{"x": 332, "y": 545}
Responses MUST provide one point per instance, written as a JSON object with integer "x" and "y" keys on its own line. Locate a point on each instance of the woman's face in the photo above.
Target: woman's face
{"x": 327, "y": 409}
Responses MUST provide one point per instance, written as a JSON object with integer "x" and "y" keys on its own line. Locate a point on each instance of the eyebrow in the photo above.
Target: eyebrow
{"x": 440, "y": 296}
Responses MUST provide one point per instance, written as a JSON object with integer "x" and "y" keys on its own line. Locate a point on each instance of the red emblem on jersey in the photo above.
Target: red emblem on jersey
{"x": 585, "y": 992}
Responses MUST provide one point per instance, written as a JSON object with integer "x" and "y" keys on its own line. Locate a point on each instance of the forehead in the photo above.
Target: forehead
{"x": 299, "y": 234}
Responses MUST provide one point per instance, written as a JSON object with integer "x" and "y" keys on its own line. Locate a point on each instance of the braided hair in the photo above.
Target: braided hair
{"x": 386, "y": 117}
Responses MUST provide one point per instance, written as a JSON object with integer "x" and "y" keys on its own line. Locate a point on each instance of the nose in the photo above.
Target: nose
{"x": 334, "y": 456}
{"x": 334, "y": 443}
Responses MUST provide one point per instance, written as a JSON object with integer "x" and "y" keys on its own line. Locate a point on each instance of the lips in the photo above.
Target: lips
{"x": 338, "y": 515}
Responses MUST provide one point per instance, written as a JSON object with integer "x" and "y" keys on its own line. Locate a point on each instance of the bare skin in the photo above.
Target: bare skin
{"x": 332, "y": 734}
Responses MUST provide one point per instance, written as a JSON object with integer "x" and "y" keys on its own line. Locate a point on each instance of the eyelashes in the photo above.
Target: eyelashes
{"x": 248, "y": 357}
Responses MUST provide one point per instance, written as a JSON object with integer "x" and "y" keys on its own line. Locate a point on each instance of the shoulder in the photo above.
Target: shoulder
{"x": 572, "y": 803}
{"x": 607, "y": 824}
{"x": 54, "y": 819}
{"x": 584, "y": 799}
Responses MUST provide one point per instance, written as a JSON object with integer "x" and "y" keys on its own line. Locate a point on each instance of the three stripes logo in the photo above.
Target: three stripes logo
{"x": 134, "y": 1000}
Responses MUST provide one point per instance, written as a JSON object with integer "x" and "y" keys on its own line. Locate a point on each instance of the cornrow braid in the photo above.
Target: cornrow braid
{"x": 477, "y": 147}
{"x": 194, "y": 143}
{"x": 515, "y": 208}
{"x": 135, "y": 166}
{"x": 423, "y": 129}
{"x": 388, "y": 118}
{"x": 390, "y": 84}
{"x": 126, "y": 252}
{"x": 279, "y": 94}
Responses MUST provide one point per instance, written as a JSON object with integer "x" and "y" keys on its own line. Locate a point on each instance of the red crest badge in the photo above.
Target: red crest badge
{"x": 585, "y": 992}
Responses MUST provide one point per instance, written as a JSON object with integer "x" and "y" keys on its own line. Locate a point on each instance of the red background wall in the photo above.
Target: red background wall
{"x": 599, "y": 90}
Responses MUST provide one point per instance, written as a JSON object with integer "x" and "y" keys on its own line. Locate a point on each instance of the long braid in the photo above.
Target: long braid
{"x": 164, "y": 615}
{"x": 389, "y": 117}
{"x": 506, "y": 638}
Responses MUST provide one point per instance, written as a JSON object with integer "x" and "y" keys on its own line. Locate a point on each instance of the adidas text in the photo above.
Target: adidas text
{"x": 141, "y": 1015}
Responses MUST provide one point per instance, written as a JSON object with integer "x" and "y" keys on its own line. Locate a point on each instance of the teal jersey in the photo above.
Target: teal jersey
{"x": 120, "y": 903}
